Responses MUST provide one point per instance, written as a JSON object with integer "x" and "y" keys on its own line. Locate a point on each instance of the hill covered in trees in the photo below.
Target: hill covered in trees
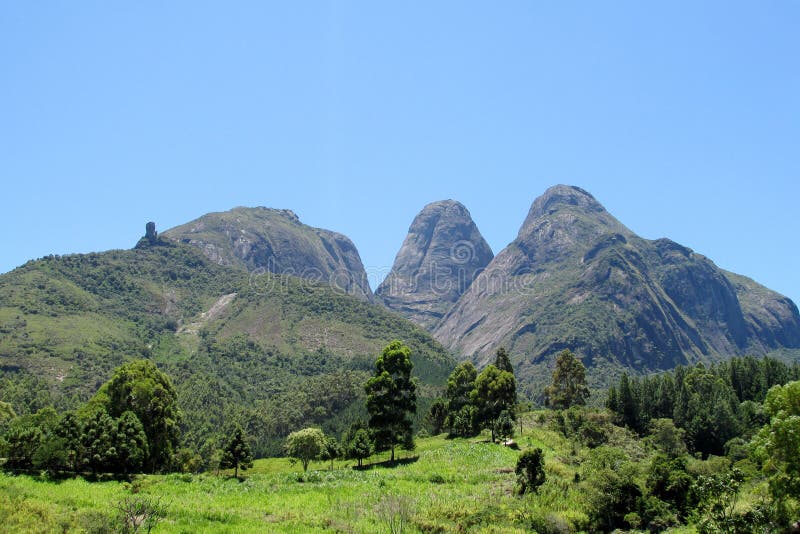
{"x": 271, "y": 351}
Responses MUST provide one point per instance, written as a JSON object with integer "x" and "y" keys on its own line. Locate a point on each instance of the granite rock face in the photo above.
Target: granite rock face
{"x": 442, "y": 254}
{"x": 274, "y": 240}
{"x": 577, "y": 278}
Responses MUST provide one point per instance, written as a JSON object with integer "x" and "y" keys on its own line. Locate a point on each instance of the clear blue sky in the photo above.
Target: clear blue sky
{"x": 682, "y": 118}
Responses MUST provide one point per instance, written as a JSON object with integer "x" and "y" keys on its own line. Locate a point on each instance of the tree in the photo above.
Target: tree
{"x": 460, "y": 412}
{"x": 70, "y": 430}
{"x": 437, "y": 416}
{"x": 569, "y": 382}
{"x": 613, "y": 494}
{"x": 360, "y": 446}
{"x": 236, "y": 452}
{"x": 669, "y": 481}
{"x": 305, "y": 445}
{"x": 20, "y": 443}
{"x": 776, "y": 445}
{"x": 667, "y": 437}
{"x": 331, "y": 451}
{"x": 99, "y": 440}
{"x": 131, "y": 444}
{"x": 709, "y": 412}
{"x": 7, "y": 413}
{"x": 140, "y": 387}
{"x": 505, "y": 426}
{"x": 495, "y": 391}
{"x": 391, "y": 397}
{"x": 628, "y": 405}
{"x": 530, "y": 471}
{"x": 502, "y": 361}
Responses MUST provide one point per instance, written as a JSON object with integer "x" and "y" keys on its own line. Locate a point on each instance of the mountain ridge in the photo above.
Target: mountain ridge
{"x": 275, "y": 240}
{"x": 575, "y": 277}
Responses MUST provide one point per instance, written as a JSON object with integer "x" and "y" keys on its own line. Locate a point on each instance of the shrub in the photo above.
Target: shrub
{"x": 530, "y": 471}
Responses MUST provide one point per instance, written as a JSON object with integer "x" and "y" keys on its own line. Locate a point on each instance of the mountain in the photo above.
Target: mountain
{"x": 577, "y": 278}
{"x": 265, "y": 239}
{"x": 272, "y": 351}
{"x": 442, "y": 254}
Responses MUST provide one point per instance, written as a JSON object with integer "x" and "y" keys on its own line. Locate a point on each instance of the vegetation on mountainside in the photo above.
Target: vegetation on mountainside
{"x": 577, "y": 471}
{"x": 271, "y": 353}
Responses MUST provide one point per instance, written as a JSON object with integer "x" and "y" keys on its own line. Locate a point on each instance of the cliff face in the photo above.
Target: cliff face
{"x": 263, "y": 239}
{"x": 441, "y": 256}
{"x": 576, "y": 278}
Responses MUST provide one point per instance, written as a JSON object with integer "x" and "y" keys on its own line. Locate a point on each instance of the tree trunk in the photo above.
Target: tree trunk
{"x": 392, "y": 460}
{"x": 236, "y": 470}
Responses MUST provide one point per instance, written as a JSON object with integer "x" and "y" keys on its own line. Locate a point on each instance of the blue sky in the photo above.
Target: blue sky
{"x": 682, "y": 118}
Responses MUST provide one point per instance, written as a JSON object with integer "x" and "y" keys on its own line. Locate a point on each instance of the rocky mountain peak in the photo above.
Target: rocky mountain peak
{"x": 442, "y": 254}
{"x": 274, "y": 240}
{"x": 577, "y": 278}
{"x": 565, "y": 220}
{"x": 560, "y": 196}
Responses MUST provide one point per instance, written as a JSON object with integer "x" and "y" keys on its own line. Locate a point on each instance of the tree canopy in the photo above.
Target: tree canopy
{"x": 777, "y": 444}
{"x": 502, "y": 360}
{"x": 495, "y": 392}
{"x": 236, "y": 452}
{"x": 568, "y": 387}
{"x": 305, "y": 445}
{"x": 391, "y": 397}
{"x": 460, "y": 411}
{"x": 140, "y": 387}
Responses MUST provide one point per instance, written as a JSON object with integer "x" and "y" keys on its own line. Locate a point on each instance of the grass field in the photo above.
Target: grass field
{"x": 443, "y": 486}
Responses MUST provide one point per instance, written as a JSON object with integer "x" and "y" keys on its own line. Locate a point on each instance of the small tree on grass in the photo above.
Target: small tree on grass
{"x": 139, "y": 514}
{"x": 360, "y": 446}
{"x": 305, "y": 445}
{"x": 236, "y": 452}
{"x": 495, "y": 391}
{"x": 331, "y": 450}
{"x": 505, "y": 426}
{"x": 530, "y": 471}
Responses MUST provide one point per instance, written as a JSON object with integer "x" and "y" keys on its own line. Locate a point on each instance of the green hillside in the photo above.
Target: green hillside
{"x": 445, "y": 485}
{"x": 274, "y": 352}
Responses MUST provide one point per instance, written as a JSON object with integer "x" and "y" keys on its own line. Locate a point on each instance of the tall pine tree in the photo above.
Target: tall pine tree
{"x": 236, "y": 452}
{"x": 391, "y": 397}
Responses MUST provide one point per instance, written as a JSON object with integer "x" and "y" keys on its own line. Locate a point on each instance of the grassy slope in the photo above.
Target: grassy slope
{"x": 452, "y": 486}
{"x": 454, "y": 482}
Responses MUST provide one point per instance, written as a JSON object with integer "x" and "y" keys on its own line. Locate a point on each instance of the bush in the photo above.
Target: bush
{"x": 139, "y": 514}
{"x": 530, "y": 471}
{"x": 550, "y": 524}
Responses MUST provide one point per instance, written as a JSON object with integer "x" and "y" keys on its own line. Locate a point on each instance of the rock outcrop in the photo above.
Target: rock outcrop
{"x": 264, "y": 239}
{"x": 577, "y": 278}
{"x": 441, "y": 256}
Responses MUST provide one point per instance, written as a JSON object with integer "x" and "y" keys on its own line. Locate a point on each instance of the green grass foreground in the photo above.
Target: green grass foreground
{"x": 443, "y": 486}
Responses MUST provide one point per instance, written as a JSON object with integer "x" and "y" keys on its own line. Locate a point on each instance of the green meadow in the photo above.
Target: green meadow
{"x": 445, "y": 485}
